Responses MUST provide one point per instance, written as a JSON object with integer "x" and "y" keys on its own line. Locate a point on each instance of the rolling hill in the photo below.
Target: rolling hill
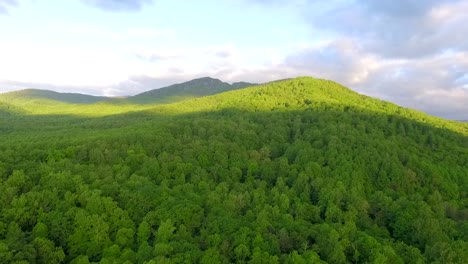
{"x": 295, "y": 171}
{"x": 34, "y": 101}
{"x": 36, "y": 94}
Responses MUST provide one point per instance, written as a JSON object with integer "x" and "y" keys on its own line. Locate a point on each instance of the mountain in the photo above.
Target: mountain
{"x": 34, "y": 101}
{"x": 42, "y": 102}
{"x": 303, "y": 93}
{"x": 191, "y": 89}
{"x": 295, "y": 171}
{"x": 36, "y": 94}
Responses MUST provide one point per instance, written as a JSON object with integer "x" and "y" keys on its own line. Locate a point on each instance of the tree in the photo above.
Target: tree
{"x": 90, "y": 236}
{"x": 124, "y": 237}
{"x": 47, "y": 252}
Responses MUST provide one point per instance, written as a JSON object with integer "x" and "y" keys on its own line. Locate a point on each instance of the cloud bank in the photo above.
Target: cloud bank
{"x": 118, "y": 5}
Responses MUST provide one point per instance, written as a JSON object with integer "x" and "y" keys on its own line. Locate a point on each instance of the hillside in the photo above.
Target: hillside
{"x": 34, "y": 101}
{"x": 36, "y": 94}
{"x": 191, "y": 89}
{"x": 304, "y": 93}
{"x": 8, "y": 109}
{"x": 295, "y": 171}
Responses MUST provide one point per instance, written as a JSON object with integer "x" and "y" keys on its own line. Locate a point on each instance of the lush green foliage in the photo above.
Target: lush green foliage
{"x": 299, "y": 171}
{"x": 35, "y": 94}
{"x": 37, "y": 102}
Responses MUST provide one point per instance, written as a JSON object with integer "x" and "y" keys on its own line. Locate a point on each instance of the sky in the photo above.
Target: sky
{"x": 410, "y": 52}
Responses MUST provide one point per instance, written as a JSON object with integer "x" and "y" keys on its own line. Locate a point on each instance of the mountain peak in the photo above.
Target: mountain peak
{"x": 206, "y": 79}
{"x": 203, "y": 81}
{"x": 195, "y": 88}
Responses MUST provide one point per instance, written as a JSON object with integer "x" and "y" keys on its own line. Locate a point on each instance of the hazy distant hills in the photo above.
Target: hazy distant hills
{"x": 191, "y": 89}
{"x": 173, "y": 93}
{"x": 36, "y": 94}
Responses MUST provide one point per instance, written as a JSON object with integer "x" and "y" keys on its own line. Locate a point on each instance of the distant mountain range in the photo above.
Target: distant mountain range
{"x": 45, "y": 101}
{"x": 74, "y": 98}
{"x": 170, "y": 94}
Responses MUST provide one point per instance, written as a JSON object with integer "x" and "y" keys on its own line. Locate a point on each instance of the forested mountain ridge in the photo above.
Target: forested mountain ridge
{"x": 35, "y": 101}
{"x": 191, "y": 89}
{"x": 304, "y": 93}
{"x": 296, "y": 171}
{"x": 40, "y": 102}
{"x": 37, "y": 94}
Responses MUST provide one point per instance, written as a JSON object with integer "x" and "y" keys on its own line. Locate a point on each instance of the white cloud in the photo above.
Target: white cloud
{"x": 58, "y": 64}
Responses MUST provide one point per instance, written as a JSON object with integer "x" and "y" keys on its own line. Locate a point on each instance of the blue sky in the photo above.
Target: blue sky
{"x": 410, "y": 52}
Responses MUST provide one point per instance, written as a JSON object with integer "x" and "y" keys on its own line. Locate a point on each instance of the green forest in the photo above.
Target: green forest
{"x": 294, "y": 171}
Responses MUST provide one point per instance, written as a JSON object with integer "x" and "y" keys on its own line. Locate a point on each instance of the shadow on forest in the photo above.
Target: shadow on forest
{"x": 16, "y": 123}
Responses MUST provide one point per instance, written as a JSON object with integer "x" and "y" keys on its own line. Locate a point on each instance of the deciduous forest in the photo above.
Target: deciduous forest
{"x": 294, "y": 171}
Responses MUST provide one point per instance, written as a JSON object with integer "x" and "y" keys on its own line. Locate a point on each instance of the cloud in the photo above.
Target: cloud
{"x": 406, "y": 29}
{"x": 225, "y": 52}
{"x": 167, "y": 54}
{"x": 6, "y": 4}
{"x": 404, "y": 8}
{"x": 341, "y": 60}
{"x": 118, "y": 5}
{"x": 157, "y": 56}
{"x": 436, "y": 84}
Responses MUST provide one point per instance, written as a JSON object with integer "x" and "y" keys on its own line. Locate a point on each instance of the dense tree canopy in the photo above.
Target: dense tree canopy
{"x": 299, "y": 171}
